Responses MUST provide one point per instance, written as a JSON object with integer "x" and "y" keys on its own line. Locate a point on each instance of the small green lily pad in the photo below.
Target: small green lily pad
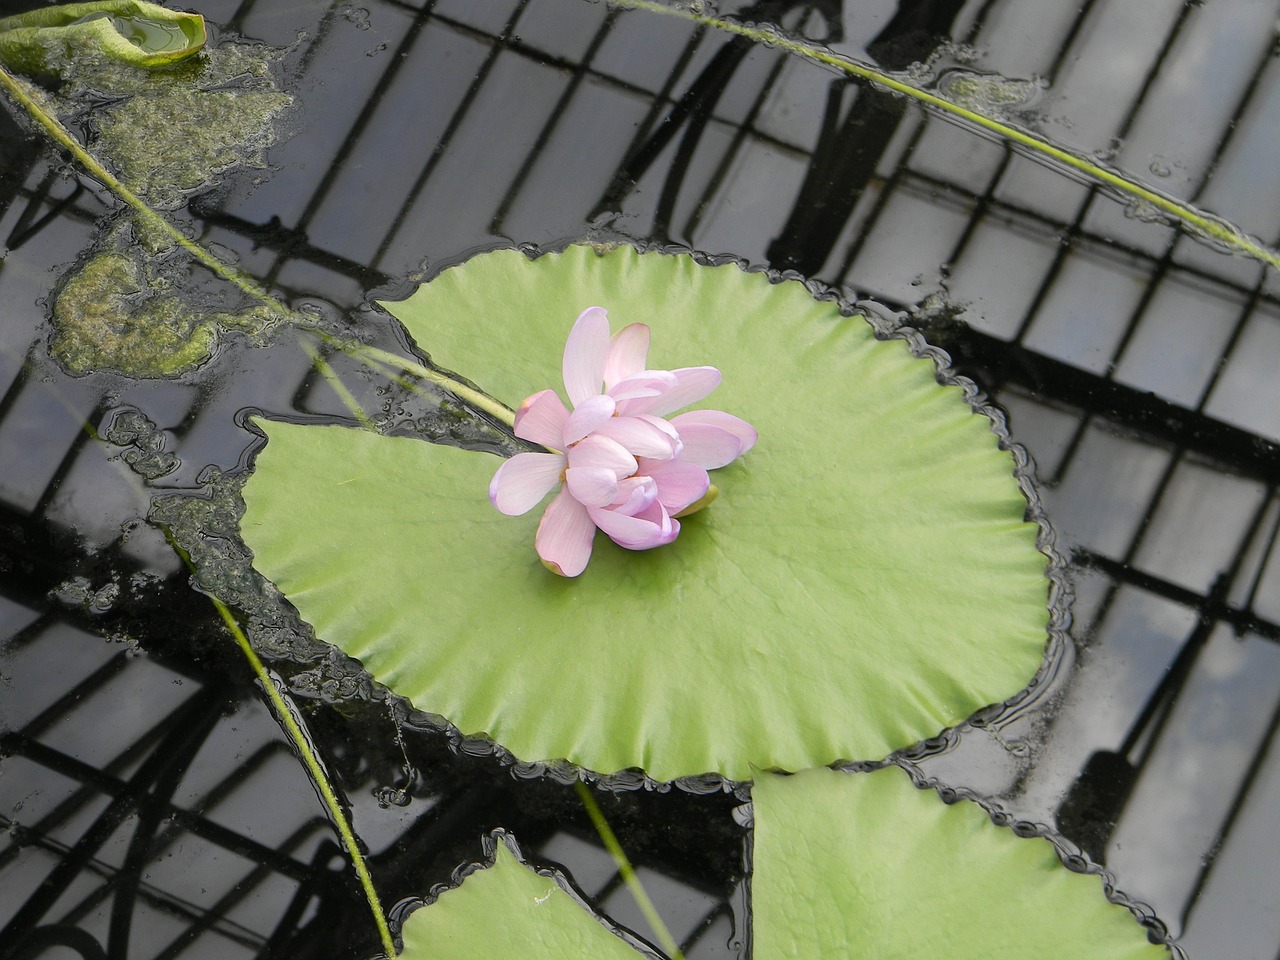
{"x": 127, "y": 31}
{"x": 867, "y": 865}
{"x": 509, "y": 910}
{"x": 865, "y": 580}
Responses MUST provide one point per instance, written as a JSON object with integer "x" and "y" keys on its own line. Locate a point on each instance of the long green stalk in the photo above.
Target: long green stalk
{"x": 318, "y": 776}
{"x": 1209, "y": 226}
{"x": 628, "y": 872}
{"x": 481, "y": 401}
{"x": 348, "y": 399}
{"x": 148, "y": 217}
{"x": 153, "y": 220}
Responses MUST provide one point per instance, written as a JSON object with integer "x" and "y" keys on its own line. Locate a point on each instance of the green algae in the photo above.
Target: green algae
{"x": 118, "y": 313}
{"x": 172, "y": 134}
{"x": 133, "y": 307}
{"x": 172, "y": 137}
{"x": 988, "y": 93}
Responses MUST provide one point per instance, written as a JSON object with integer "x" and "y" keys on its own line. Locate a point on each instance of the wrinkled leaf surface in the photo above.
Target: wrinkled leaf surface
{"x": 867, "y": 865}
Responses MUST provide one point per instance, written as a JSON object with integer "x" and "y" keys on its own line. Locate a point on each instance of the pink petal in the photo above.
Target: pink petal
{"x": 598, "y": 451}
{"x": 646, "y": 383}
{"x": 589, "y": 415}
{"x": 524, "y": 480}
{"x": 668, "y": 526}
{"x": 707, "y": 446}
{"x": 635, "y": 494}
{"x": 564, "y": 536}
{"x": 680, "y": 482}
{"x": 585, "y": 354}
{"x": 628, "y": 351}
{"x": 592, "y": 486}
{"x": 642, "y": 436}
{"x": 692, "y": 384}
{"x": 652, "y": 529}
{"x": 666, "y": 427}
{"x": 745, "y": 432}
{"x": 541, "y": 419}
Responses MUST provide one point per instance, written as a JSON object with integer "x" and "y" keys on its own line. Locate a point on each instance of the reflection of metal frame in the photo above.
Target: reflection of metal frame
{"x": 867, "y": 148}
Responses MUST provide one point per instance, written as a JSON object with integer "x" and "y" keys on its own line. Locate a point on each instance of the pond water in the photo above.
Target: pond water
{"x": 151, "y": 805}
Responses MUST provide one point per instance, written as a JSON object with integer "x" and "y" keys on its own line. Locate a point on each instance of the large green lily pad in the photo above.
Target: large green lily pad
{"x": 866, "y": 865}
{"x": 865, "y": 580}
{"x": 509, "y": 910}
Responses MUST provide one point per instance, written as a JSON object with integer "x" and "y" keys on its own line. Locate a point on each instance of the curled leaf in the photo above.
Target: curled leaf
{"x": 129, "y": 31}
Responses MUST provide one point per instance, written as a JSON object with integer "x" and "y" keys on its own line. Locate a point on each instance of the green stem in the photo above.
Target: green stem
{"x": 348, "y": 399}
{"x": 1212, "y": 227}
{"x": 149, "y": 218}
{"x": 481, "y": 401}
{"x": 627, "y": 872}
{"x": 309, "y": 758}
{"x": 318, "y": 776}
{"x": 146, "y": 216}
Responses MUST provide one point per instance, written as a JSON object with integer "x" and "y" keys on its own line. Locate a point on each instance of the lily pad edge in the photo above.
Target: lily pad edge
{"x": 502, "y": 844}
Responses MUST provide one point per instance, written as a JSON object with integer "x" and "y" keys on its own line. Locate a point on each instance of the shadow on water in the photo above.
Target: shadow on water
{"x": 152, "y": 808}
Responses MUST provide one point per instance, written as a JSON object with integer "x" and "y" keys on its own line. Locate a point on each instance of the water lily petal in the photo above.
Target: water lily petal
{"x": 635, "y": 494}
{"x": 588, "y": 415}
{"x": 524, "y": 480}
{"x": 628, "y": 351}
{"x": 707, "y": 446}
{"x": 564, "y": 536}
{"x": 585, "y": 354}
{"x": 592, "y": 486}
{"x": 598, "y": 451}
{"x": 692, "y": 384}
{"x": 541, "y": 419}
{"x": 667, "y": 428}
{"x": 692, "y": 423}
{"x": 642, "y": 436}
{"x": 680, "y": 482}
{"x": 652, "y": 528}
{"x": 646, "y": 383}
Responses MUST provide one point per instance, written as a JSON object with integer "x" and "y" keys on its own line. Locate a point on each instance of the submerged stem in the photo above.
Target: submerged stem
{"x": 153, "y": 220}
{"x": 298, "y": 738}
{"x": 627, "y": 871}
{"x": 147, "y": 216}
{"x": 479, "y": 400}
{"x": 348, "y": 399}
{"x": 1212, "y": 227}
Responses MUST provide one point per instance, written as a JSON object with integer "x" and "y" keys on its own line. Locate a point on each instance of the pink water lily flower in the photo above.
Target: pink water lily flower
{"x": 620, "y": 466}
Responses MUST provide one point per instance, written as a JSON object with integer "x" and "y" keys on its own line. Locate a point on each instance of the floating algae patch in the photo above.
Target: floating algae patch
{"x": 170, "y": 134}
{"x": 989, "y": 93}
{"x": 117, "y": 313}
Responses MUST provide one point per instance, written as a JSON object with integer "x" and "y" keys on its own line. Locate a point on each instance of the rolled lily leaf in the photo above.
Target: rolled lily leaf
{"x": 509, "y": 910}
{"x": 867, "y": 865}
{"x": 129, "y": 31}
{"x": 865, "y": 579}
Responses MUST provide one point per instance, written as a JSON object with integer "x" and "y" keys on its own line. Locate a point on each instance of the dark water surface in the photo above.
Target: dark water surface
{"x": 152, "y": 807}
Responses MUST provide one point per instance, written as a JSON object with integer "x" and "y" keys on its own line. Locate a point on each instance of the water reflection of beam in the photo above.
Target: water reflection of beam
{"x": 146, "y": 794}
{"x": 848, "y": 151}
{"x": 692, "y": 112}
{"x": 1238, "y": 802}
{"x": 1094, "y": 802}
